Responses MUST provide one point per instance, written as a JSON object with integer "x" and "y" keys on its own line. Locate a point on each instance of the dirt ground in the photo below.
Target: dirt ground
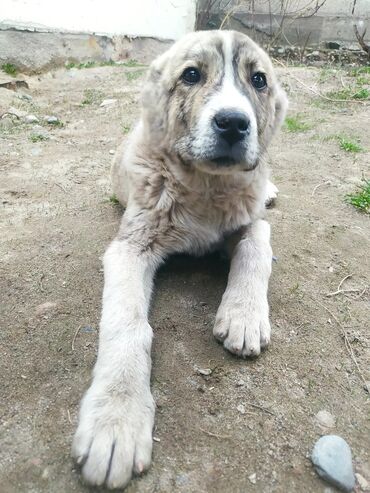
{"x": 213, "y": 433}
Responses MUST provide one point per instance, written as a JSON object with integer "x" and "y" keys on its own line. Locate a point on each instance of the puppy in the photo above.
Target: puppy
{"x": 192, "y": 178}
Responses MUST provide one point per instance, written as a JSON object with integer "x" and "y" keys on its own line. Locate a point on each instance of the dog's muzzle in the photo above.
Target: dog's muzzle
{"x": 232, "y": 129}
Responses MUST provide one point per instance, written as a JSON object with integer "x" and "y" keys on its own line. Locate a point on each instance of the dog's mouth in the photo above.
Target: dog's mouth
{"x": 224, "y": 161}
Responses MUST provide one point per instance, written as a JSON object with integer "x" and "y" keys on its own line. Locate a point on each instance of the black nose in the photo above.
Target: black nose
{"x": 232, "y": 126}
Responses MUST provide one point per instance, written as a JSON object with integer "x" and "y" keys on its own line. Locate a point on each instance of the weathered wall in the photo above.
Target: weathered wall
{"x": 36, "y": 35}
{"x": 290, "y": 21}
{"x": 164, "y": 19}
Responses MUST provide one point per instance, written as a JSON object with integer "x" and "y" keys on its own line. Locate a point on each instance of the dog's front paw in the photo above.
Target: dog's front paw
{"x": 114, "y": 436}
{"x": 243, "y": 325}
{"x": 271, "y": 194}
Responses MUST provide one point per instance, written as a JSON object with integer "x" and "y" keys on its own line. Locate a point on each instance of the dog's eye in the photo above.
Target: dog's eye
{"x": 191, "y": 75}
{"x": 259, "y": 80}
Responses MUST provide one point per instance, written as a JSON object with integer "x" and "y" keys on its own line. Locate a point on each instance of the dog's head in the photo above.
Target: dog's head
{"x": 213, "y": 99}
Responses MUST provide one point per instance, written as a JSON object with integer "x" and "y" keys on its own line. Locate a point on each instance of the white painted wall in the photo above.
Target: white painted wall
{"x": 166, "y": 19}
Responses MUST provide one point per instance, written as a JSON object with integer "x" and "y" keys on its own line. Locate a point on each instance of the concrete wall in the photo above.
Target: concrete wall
{"x": 332, "y": 23}
{"x": 164, "y": 19}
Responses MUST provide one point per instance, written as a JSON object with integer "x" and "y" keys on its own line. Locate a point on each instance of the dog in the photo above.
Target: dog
{"x": 192, "y": 178}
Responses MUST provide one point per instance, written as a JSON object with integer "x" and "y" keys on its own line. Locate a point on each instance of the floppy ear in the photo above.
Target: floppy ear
{"x": 281, "y": 107}
{"x": 155, "y": 95}
{"x": 278, "y": 109}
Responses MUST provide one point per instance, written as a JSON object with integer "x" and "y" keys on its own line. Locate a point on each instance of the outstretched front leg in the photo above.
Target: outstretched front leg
{"x": 114, "y": 435}
{"x": 242, "y": 320}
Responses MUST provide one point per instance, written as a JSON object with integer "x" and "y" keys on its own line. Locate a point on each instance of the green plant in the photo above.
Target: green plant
{"x": 9, "y": 69}
{"x": 90, "y": 64}
{"x": 131, "y": 76}
{"x": 360, "y": 199}
{"x": 361, "y": 70}
{"x": 113, "y": 199}
{"x": 125, "y": 128}
{"x": 92, "y": 96}
{"x": 36, "y": 137}
{"x": 296, "y": 124}
{"x": 348, "y": 93}
{"x": 349, "y": 145}
{"x": 132, "y": 63}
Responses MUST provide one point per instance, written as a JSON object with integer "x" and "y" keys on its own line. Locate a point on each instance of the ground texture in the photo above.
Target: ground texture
{"x": 249, "y": 425}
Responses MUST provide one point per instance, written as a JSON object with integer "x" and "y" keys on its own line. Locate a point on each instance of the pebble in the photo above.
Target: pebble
{"x": 362, "y": 482}
{"x": 107, "y": 102}
{"x": 31, "y": 119}
{"x": 240, "y": 383}
{"x": 253, "y": 478}
{"x": 111, "y": 152}
{"x": 204, "y": 371}
{"x": 332, "y": 459}
{"x": 52, "y": 120}
{"x": 241, "y": 409}
{"x": 25, "y": 97}
{"x": 325, "y": 419}
{"x": 44, "y": 308}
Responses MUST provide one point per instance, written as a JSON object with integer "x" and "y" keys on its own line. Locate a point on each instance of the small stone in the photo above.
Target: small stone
{"x": 362, "y": 482}
{"x": 241, "y": 409}
{"x": 45, "y": 473}
{"x": 240, "y": 383}
{"x": 17, "y": 112}
{"x": 280, "y": 50}
{"x": 25, "y": 97}
{"x": 111, "y": 152}
{"x": 332, "y": 459}
{"x": 87, "y": 329}
{"x": 107, "y": 102}
{"x": 253, "y": 478}
{"x": 31, "y": 119}
{"x": 44, "y": 308}
{"x": 206, "y": 372}
{"x": 325, "y": 419}
{"x": 52, "y": 120}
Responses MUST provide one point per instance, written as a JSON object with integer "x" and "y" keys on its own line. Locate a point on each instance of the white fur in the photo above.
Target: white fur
{"x": 114, "y": 436}
{"x": 242, "y": 320}
{"x": 227, "y": 98}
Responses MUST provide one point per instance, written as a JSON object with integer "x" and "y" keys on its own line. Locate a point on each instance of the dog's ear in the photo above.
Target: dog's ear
{"x": 278, "y": 109}
{"x": 281, "y": 107}
{"x": 155, "y": 95}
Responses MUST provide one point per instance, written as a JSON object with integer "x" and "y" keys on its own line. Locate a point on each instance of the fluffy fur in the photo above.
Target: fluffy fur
{"x": 180, "y": 197}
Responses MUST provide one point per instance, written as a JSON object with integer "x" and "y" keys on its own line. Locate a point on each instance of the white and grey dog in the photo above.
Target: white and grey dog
{"x": 192, "y": 178}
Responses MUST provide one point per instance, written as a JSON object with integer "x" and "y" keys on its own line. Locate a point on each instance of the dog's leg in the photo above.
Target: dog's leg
{"x": 242, "y": 320}
{"x": 114, "y": 435}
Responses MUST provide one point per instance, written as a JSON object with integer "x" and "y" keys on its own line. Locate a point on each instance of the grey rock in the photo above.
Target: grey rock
{"x": 31, "y": 119}
{"x": 52, "y": 120}
{"x": 332, "y": 459}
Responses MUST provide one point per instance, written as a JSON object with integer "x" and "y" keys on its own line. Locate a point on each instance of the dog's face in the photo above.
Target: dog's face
{"x": 214, "y": 101}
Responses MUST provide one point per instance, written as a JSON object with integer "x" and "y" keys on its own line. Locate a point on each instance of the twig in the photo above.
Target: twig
{"x": 69, "y": 416}
{"x": 328, "y": 182}
{"x": 261, "y": 408}
{"x": 342, "y": 281}
{"x": 347, "y": 344}
{"x": 61, "y": 187}
{"x": 214, "y": 434}
{"x": 340, "y": 291}
{"x": 74, "y": 337}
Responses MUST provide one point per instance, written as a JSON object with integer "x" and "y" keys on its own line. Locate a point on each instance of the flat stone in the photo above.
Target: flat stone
{"x": 325, "y": 419}
{"x": 362, "y": 482}
{"x": 107, "y": 102}
{"x": 332, "y": 459}
{"x": 31, "y": 119}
